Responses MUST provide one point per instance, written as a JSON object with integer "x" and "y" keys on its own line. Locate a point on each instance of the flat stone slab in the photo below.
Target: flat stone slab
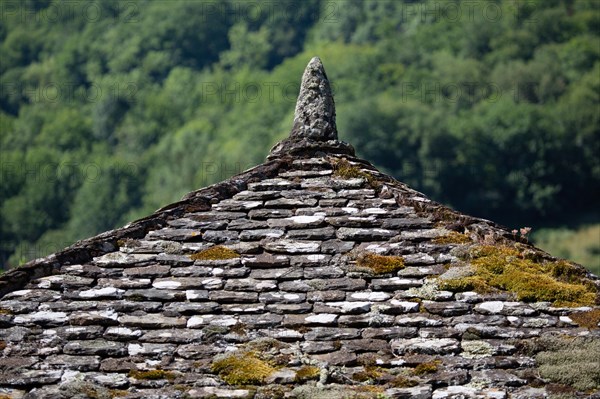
{"x": 420, "y": 392}
{"x": 218, "y": 393}
{"x": 152, "y": 321}
{"x": 291, "y": 246}
{"x": 427, "y": 346}
{"x": 354, "y": 234}
{"x": 95, "y": 347}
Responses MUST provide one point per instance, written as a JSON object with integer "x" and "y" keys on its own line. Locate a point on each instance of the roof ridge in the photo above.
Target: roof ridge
{"x": 85, "y": 250}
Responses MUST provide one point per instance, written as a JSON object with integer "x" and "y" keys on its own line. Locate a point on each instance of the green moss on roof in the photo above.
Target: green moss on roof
{"x": 218, "y": 252}
{"x": 152, "y": 375}
{"x": 369, "y": 373}
{"x": 453, "y": 238}
{"x": 307, "y": 373}
{"x": 401, "y": 381}
{"x": 380, "y": 264}
{"x": 342, "y": 168}
{"x": 589, "y": 319}
{"x": 507, "y": 268}
{"x": 427, "y": 367}
{"x": 242, "y": 369}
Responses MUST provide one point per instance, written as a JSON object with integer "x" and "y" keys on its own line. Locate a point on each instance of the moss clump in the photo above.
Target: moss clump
{"x": 380, "y": 264}
{"x": 218, "y": 252}
{"x": 238, "y": 328}
{"x": 307, "y": 373}
{"x": 445, "y": 216}
{"x": 375, "y": 389}
{"x": 403, "y": 382}
{"x": 152, "y": 375}
{"x": 453, "y": 238}
{"x": 369, "y": 373}
{"x": 508, "y": 269}
{"x": 589, "y": 319}
{"x": 242, "y": 369}
{"x": 265, "y": 346}
{"x": 571, "y": 361}
{"x": 427, "y": 368}
{"x": 345, "y": 170}
{"x": 463, "y": 284}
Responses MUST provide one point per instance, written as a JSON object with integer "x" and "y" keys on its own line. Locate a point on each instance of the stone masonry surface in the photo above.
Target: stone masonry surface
{"x": 271, "y": 269}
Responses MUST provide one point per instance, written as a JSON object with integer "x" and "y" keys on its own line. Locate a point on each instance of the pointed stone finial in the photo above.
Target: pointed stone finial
{"x": 315, "y": 109}
{"x": 314, "y": 129}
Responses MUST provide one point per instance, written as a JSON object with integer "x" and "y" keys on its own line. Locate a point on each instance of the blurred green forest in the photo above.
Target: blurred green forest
{"x": 112, "y": 109}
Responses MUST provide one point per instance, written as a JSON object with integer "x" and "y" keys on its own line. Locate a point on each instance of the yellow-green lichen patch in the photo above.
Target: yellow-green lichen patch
{"x": 343, "y": 169}
{"x": 427, "y": 368}
{"x": 475, "y": 349}
{"x": 572, "y": 361}
{"x": 218, "y": 252}
{"x": 507, "y": 268}
{"x": 589, "y": 319}
{"x": 152, "y": 375}
{"x": 5, "y": 312}
{"x": 380, "y": 264}
{"x": 453, "y": 238}
{"x": 307, "y": 373}
{"x": 242, "y": 369}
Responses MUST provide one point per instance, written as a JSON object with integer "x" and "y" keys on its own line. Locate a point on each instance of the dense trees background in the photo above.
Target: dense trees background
{"x": 111, "y": 109}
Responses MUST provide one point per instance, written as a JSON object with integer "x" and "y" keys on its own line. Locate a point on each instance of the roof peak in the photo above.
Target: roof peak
{"x": 314, "y": 126}
{"x": 314, "y": 117}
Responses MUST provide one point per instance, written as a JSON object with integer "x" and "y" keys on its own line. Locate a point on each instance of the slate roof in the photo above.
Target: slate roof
{"x": 291, "y": 288}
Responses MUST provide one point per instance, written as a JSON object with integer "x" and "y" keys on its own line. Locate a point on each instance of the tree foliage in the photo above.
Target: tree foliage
{"x": 109, "y": 110}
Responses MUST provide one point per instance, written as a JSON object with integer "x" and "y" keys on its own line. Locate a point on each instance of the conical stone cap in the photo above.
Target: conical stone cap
{"x": 315, "y": 109}
{"x": 314, "y": 127}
